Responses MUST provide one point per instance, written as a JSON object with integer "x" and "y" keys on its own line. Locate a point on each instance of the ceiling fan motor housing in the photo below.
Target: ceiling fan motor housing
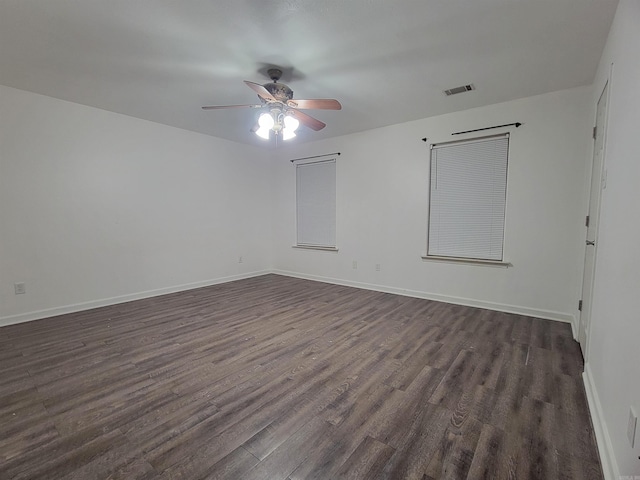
{"x": 279, "y": 91}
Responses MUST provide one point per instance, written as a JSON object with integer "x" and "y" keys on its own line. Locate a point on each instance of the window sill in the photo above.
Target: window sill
{"x": 316, "y": 247}
{"x": 468, "y": 261}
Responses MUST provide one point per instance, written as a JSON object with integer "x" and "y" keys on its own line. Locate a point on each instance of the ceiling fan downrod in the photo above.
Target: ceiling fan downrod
{"x": 274, "y": 74}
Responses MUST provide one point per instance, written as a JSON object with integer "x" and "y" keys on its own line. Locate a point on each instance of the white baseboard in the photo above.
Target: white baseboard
{"x": 104, "y": 302}
{"x": 50, "y": 312}
{"x": 603, "y": 440}
{"x": 529, "y": 312}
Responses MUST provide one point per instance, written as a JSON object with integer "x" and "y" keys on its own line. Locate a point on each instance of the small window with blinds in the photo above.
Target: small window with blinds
{"x": 467, "y": 199}
{"x": 316, "y": 204}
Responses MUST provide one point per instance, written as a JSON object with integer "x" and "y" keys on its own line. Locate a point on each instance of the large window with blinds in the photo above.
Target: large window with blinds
{"x": 467, "y": 199}
{"x": 316, "y": 204}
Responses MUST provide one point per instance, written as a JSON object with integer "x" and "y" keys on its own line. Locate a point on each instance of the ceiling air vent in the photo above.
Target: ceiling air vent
{"x": 462, "y": 89}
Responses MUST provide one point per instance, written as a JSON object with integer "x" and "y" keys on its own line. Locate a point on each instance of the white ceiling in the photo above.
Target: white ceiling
{"x": 386, "y": 61}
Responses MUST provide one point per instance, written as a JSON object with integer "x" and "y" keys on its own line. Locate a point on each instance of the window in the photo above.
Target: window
{"x": 467, "y": 199}
{"x": 316, "y": 204}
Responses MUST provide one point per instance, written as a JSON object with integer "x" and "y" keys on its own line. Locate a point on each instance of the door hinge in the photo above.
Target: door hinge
{"x": 580, "y": 305}
{"x": 595, "y": 129}
{"x": 587, "y": 221}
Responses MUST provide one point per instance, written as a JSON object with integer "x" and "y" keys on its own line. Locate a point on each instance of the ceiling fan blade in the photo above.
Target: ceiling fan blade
{"x": 220, "y": 107}
{"x": 260, "y": 90}
{"x": 316, "y": 104}
{"x": 308, "y": 120}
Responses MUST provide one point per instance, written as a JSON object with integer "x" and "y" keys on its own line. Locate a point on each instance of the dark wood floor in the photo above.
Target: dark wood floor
{"x": 279, "y": 378}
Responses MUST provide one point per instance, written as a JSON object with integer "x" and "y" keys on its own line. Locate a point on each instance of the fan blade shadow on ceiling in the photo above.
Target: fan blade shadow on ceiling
{"x": 288, "y": 73}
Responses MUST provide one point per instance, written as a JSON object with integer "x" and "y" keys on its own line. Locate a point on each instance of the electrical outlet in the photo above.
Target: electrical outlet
{"x": 354, "y": 265}
{"x": 631, "y": 427}
{"x": 377, "y": 267}
{"x": 240, "y": 259}
{"x": 19, "y": 288}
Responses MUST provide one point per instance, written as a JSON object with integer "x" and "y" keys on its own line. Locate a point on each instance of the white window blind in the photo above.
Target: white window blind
{"x": 316, "y": 203}
{"x": 468, "y": 199}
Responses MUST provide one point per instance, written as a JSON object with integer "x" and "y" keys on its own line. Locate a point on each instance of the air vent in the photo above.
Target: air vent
{"x": 462, "y": 89}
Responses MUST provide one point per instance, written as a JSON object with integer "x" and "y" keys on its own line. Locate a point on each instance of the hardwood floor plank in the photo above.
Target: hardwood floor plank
{"x": 568, "y": 357}
{"x": 571, "y": 467}
{"x": 234, "y": 466}
{"x": 456, "y": 379}
{"x": 60, "y": 458}
{"x": 486, "y": 459}
{"x": 541, "y": 334}
{"x": 109, "y": 410}
{"x": 286, "y": 458}
{"x": 120, "y": 461}
{"x": 572, "y": 399}
{"x": 408, "y": 407}
{"x": 326, "y": 389}
{"x": 409, "y": 369}
{"x": 319, "y": 461}
{"x": 26, "y": 428}
{"x": 419, "y": 444}
{"x": 454, "y": 455}
{"x": 536, "y": 426}
{"x": 367, "y": 461}
{"x": 149, "y": 432}
{"x": 281, "y": 378}
{"x": 508, "y": 396}
{"x": 573, "y": 435}
{"x": 490, "y": 364}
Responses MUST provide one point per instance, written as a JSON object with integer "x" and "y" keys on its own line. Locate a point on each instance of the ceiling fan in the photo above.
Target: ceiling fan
{"x": 282, "y": 113}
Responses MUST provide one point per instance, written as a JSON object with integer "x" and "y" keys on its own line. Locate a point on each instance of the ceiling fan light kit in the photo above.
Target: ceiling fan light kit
{"x": 265, "y": 123}
{"x": 278, "y": 121}
{"x": 291, "y": 124}
{"x": 281, "y": 114}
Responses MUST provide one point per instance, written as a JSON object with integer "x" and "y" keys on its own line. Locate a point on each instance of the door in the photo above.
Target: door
{"x": 597, "y": 185}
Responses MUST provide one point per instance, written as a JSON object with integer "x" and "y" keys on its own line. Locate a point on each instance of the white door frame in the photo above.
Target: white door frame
{"x": 597, "y": 184}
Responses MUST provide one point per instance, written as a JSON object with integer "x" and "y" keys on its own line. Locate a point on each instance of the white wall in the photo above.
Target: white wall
{"x": 97, "y": 207}
{"x": 382, "y": 193}
{"x": 612, "y": 373}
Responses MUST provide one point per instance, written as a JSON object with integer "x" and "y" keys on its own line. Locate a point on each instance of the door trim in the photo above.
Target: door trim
{"x": 587, "y": 306}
